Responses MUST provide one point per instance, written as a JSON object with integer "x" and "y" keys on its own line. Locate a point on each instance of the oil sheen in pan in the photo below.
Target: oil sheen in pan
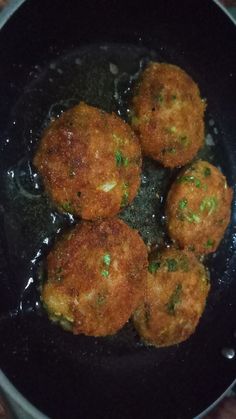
{"x": 103, "y": 76}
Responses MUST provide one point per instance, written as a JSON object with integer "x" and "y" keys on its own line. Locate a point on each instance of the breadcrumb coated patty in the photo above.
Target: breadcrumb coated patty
{"x": 96, "y": 277}
{"x": 175, "y": 296}
{"x": 168, "y": 114}
{"x": 199, "y": 207}
{"x": 90, "y": 162}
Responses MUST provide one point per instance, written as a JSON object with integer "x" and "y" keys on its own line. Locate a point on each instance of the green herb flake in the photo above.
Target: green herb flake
{"x": 105, "y": 273}
{"x": 189, "y": 179}
{"x": 125, "y": 196}
{"x": 173, "y": 97}
{"x": 120, "y": 159}
{"x": 207, "y": 171}
{"x": 169, "y": 150}
{"x": 172, "y": 265}
{"x": 67, "y": 206}
{"x": 125, "y": 199}
{"x": 183, "y": 203}
{"x": 107, "y": 259}
{"x": 184, "y": 140}
{"x": 153, "y": 267}
{"x": 174, "y": 300}
{"x": 171, "y": 130}
{"x": 126, "y": 162}
{"x": 191, "y": 217}
{"x": 135, "y": 120}
{"x": 184, "y": 264}
{"x": 209, "y": 244}
{"x": 209, "y": 204}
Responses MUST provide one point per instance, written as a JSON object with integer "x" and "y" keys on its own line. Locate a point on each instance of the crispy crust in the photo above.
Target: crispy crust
{"x": 168, "y": 114}
{"x": 174, "y": 301}
{"x": 77, "y": 289}
{"x": 199, "y": 207}
{"x": 90, "y": 162}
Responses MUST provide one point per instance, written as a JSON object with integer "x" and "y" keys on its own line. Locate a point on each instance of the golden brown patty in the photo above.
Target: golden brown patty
{"x": 175, "y": 296}
{"x": 198, "y": 207}
{"x": 168, "y": 114}
{"x": 96, "y": 276}
{"x": 90, "y": 162}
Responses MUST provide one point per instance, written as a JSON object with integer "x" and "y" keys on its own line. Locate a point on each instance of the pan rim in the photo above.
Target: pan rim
{"x": 6, "y": 386}
{"x": 223, "y": 8}
{"x": 13, "y": 395}
{"x": 216, "y": 402}
{"x": 9, "y": 10}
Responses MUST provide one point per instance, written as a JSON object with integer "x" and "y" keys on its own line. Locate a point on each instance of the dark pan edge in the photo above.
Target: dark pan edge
{"x": 18, "y": 403}
{"x": 9, "y": 10}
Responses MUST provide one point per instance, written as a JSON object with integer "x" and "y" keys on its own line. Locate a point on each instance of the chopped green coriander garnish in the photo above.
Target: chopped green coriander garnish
{"x": 189, "y": 179}
{"x": 209, "y": 203}
{"x": 192, "y": 218}
{"x": 120, "y": 159}
{"x": 135, "y": 120}
{"x": 207, "y": 171}
{"x": 171, "y": 130}
{"x": 125, "y": 197}
{"x": 153, "y": 267}
{"x": 210, "y": 243}
{"x": 183, "y": 203}
{"x": 184, "y": 264}
{"x": 174, "y": 300}
{"x": 107, "y": 259}
{"x": 172, "y": 265}
{"x": 67, "y": 206}
{"x": 105, "y": 273}
{"x": 184, "y": 140}
{"x": 170, "y": 150}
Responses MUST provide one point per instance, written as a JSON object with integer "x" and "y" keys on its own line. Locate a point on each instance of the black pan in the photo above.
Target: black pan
{"x": 53, "y": 54}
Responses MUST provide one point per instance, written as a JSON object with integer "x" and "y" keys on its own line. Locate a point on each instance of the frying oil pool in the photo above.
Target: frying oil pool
{"x": 102, "y": 76}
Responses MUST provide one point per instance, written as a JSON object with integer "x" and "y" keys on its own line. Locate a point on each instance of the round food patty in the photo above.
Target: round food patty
{"x": 168, "y": 114}
{"x": 199, "y": 207}
{"x": 174, "y": 299}
{"x": 96, "y": 277}
{"x": 90, "y": 162}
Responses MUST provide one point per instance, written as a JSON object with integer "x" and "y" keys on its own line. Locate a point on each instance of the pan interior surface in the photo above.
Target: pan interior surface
{"x": 120, "y": 374}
